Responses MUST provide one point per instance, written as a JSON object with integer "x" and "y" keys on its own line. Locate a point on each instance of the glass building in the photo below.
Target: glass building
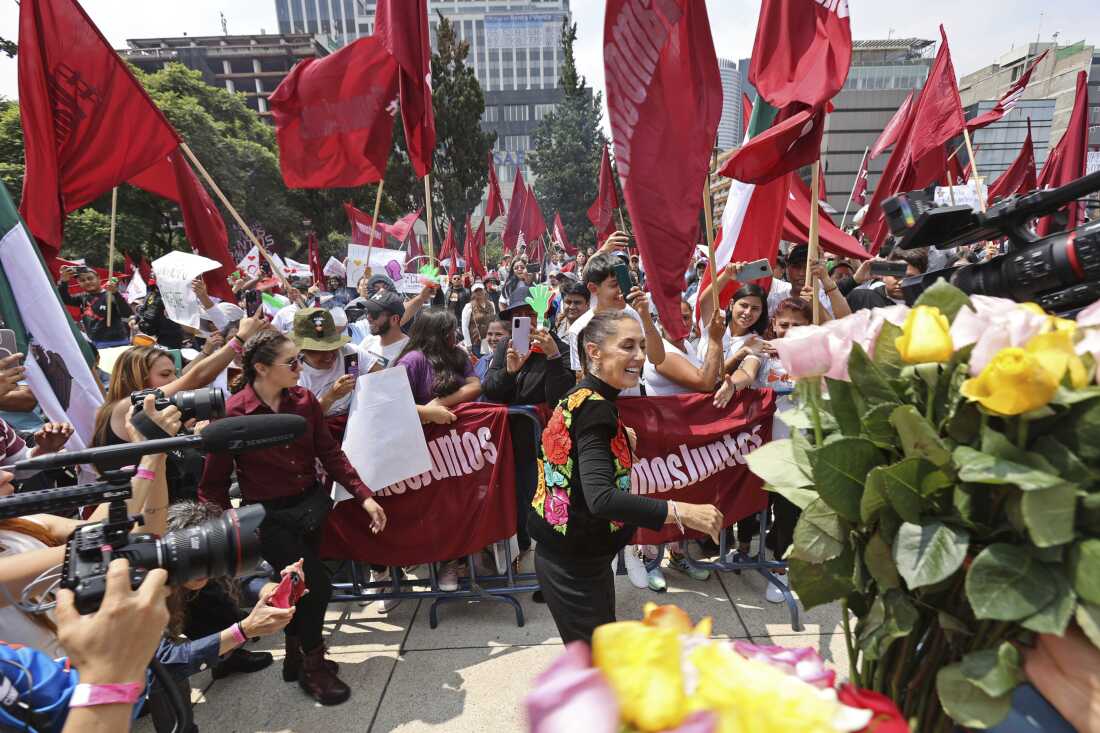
{"x": 730, "y": 132}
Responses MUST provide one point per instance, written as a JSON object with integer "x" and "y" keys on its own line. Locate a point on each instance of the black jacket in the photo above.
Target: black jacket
{"x": 93, "y": 313}
{"x": 539, "y": 380}
{"x": 153, "y": 320}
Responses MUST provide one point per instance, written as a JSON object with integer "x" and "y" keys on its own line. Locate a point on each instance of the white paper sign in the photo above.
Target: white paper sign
{"x": 334, "y": 268}
{"x": 410, "y": 283}
{"x": 250, "y": 265}
{"x": 384, "y": 439}
{"x": 379, "y": 257}
{"x": 136, "y": 289}
{"x": 964, "y": 195}
{"x": 174, "y": 272}
{"x": 1092, "y": 161}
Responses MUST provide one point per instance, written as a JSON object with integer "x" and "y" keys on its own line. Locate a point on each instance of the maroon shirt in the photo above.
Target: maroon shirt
{"x": 283, "y": 471}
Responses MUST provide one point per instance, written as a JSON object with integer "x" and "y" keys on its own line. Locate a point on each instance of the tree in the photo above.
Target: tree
{"x": 565, "y": 158}
{"x": 459, "y": 175}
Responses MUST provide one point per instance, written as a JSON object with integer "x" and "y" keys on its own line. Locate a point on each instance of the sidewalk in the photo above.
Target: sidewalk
{"x": 472, "y": 672}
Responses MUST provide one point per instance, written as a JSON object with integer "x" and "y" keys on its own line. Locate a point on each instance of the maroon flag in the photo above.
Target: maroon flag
{"x": 1066, "y": 161}
{"x": 449, "y": 248}
{"x": 746, "y": 112}
{"x": 513, "y": 224}
{"x": 315, "y": 267}
{"x": 802, "y": 52}
{"x": 602, "y": 211}
{"x": 473, "y": 253}
{"x": 792, "y": 142}
{"x": 559, "y": 236}
{"x": 938, "y": 114}
{"x": 495, "y": 206}
{"x": 859, "y": 191}
{"x": 890, "y": 133}
{"x": 361, "y": 226}
{"x": 334, "y": 117}
{"x": 796, "y": 224}
{"x": 1008, "y": 101}
{"x": 664, "y": 98}
{"x": 88, "y": 125}
{"x": 1020, "y": 176}
{"x": 534, "y": 225}
{"x": 402, "y": 28}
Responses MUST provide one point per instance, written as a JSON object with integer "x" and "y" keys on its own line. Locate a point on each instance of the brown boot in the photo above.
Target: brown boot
{"x": 320, "y": 683}
{"x": 292, "y": 662}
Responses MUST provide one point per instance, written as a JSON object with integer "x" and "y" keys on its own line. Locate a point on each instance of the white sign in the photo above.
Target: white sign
{"x": 523, "y": 30}
{"x": 334, "y": 268}
{"x": 250, "y": 264}
{"x": 410, "y": 283}
{"x": 174, "y": 272}
{"x": 384, "y": 440}
{"x": 963, "y": 195}
{"x": 379, "y": 261}
{"x": 1092, "y": 162}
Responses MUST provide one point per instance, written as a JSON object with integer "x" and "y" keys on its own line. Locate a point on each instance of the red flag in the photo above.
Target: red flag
{"x": 473, "y": 250}
{"x": 802, "y": 51}
{"x": 173, "y": 179}
{"x": 416, "y": 252}
{"x": 402, "y": 28}
{"x": 1008, "y": 101}
{"x": 449, "y": 247}
{"x": 513, "y": 224}
{"x": 796, "y": 224}
{"x": 334, "y": 119}
{"x": 792, "y": 142}
{"x": 1066, "y": 161}
{"x": 88, "y": 125}
{"x": 664, "y": 98}
{"x": 315, "y": 267}
{"x": 602, "y": 211}
{"x": 361, "y": 227}
{"x": 954, "y": 174}
{"x": 495, "y": 206}
{"x": 402, "y": 228}
{"x": 559, "y": 236}
{"x": 534, "y": 225}
{"x": 1020, "y": 176}
{"x": 746, "y": 112}
{"x": 890, "y": 133}
{"x": 938, "y": 114}
{"x": 859, "y": 191}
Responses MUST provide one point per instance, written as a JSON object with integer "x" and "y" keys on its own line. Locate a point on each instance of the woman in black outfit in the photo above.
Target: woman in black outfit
{"x": 584, "y": 512}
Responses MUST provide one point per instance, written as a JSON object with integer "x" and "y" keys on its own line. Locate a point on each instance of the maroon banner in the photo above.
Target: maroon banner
{"x": 691, "y": 451}
{"x": 465, "y": 503}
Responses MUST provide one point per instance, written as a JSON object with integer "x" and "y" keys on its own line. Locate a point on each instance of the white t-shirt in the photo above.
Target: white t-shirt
{"x": 320, "y": 381}
{"x": 656, "y": 384}
{"x": 18, "y": 628}
{"x": 371, "y": 345}
{"x": 781, "y": 290}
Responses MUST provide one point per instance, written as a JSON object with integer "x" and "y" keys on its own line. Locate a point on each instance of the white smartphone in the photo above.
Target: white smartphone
{"x": 521, "y": 334}
{"x": 755, "y": 270}
{"x": 7, "y": 343}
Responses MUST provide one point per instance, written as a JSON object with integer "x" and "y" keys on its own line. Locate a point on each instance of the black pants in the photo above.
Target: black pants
{"x": 784, "y": 515}
{"x": 580, "y": 592}
{"x": 210, "y": 611}
{"x": 526, "y": 454}
{"x": 281, "y": 544}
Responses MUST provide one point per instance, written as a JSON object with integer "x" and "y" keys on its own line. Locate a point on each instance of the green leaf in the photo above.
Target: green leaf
{"x": 842, "y": 401}
{"x": 775, "y": 463}
{"x": 1007, "y": 583}
{"x": 801, "y": 498}
{"x": 903, "y": 486}
{"x": 880, "y": 562}
{"x": 918, "y": 436}
{"x": 1054, "y": 617}
{"x": 874, "y": 496}
{"x": 1090, "y": 512}
{"x": 877, "y": 427}
{"x": 928, "y": 554}
{"x": 1068, "y": 397}
{"x": 868, "y": 377}
{"x": 995, "y": 671}
{"x": 996, "y": 444}
{"x": 885, "y": 352}
{"x": 1084, "y": 569}
{"x": 981, "y": 468}
{"x": 840, "y": 468}
{"x": 1065, "y": 462}
{"x": 948, "y": 298}
{"x": 966, "y": 703}
{"x": 820, "y": 534}
{"x": 821, "y": 583}
{"x": 963, "y": 421}
{"x": 1088, "y": 618}
{"x": 801, "y": 448}
{"x": 1080, "y": 431}
{"x": 1049, "y": 514}
{"x": 954, "y": 374}
{"x": 951, "y": 624}
{"x": 891, "y": 617}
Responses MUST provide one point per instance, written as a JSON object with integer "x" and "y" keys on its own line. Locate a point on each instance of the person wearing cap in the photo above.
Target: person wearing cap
{"x": 329, "y": 364}
{"x": 379, "y": 333}
{"x": 476, "y": 317}
{"x": 832, "y": 300}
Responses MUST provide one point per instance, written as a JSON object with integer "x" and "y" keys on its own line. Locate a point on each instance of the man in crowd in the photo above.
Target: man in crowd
{"x": 864, "y": 292}
{"x": 499, "y": 330}
{"x": 385, "y": 312}
{"x": 326, "y": 358}
{"x": 92, "y": 303}
{"x": 574, "y": 304}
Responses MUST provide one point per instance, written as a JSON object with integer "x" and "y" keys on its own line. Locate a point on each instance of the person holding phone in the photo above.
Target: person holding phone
{"x": 92, "y": 303}
{"x": 865, "y": 290}
{"x": 327, "y": 355}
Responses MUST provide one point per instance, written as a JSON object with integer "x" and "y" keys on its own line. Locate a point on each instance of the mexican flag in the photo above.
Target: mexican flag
{"x": 57, "y": 354}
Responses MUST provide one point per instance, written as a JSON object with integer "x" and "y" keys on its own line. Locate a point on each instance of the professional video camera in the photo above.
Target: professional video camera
{"x": 1060, "y": 272}
{"x": 201, "y": 404}
{"x": 226, "y": 546}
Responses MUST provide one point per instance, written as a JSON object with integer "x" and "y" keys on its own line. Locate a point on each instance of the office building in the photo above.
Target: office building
{"x": 253, "y": 65}
{"x": 730, "y": 128}
{"x": 331, "y": 20}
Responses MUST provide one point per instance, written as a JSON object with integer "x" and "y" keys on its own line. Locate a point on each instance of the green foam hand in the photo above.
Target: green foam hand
{"x": 539, "y": 300}
{"x": 429, "y": 274}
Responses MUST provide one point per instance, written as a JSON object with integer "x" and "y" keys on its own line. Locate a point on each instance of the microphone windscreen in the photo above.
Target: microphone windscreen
{"x": 250, "y": 432}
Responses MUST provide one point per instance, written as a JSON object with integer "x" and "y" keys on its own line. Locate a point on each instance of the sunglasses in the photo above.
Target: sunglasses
{"x": 294, "y": 364}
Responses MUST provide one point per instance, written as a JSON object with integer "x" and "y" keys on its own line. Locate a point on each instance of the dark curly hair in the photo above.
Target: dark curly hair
{"x": 260, "y": 349}
{"x": 433, "y": 335}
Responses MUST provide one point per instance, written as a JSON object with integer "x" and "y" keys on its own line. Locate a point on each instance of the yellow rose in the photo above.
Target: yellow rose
{"x": 1055, "y": 351}
{"x": 925, "y": 337}
{"x": 1015, "y": 381}
{"x": 642, "y": 665}
{"x": 1061, "y": 325}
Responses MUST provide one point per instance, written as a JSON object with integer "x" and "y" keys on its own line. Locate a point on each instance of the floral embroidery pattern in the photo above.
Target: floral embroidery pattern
{"x": 555, "y": 466}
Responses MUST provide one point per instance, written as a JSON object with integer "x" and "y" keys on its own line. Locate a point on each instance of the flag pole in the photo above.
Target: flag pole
{"x": 111, "y": 251}
{"x": 374, "y": 223}
{"x": 812, "y": 254}
{"x": 855, "y": 183}
{"x": 236, "y": 217}
{"x": 950, "y": 183}
{"x": 428, "y": 205}
{"x": 622, "y": 222}
{"x": 974, "y": 169}
{"x": 708, "y": 215}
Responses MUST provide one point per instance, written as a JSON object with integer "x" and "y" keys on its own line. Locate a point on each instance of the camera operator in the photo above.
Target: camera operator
{"x": 32, "y": 545}
{"x": 93, "y": 306}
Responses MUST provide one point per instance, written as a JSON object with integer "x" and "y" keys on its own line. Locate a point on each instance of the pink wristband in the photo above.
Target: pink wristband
{"x": 236, "y": 345}
{"x": 145, "y": 474}
{"x": 238, "y": 633}
{"x": 86, "y": 695}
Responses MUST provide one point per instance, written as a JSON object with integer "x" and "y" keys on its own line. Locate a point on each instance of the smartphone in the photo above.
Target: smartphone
{"x": 882, "y": 268}
{"x": 7, "y": 343}
{"x": 351, "y": 365}
{"x": 376, "y": 362}
{"x": 288, "y": 592}
{"x": 521, "y": 334}
{"x": 252, "y": 301}
{"x": 622, "y": 274}
{"x": 533, "y": 268}
{"x": 755, "y": 270}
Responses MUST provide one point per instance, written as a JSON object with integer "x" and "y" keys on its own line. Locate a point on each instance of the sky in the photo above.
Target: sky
{"x": 979, "y": 31}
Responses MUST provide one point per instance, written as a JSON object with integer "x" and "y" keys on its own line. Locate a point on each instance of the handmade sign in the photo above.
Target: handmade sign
{"x": 174, "y": 272}
{"x": 376, "y": 259}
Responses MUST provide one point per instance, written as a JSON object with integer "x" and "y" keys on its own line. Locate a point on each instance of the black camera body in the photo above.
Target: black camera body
{"x": 201, "y": 404}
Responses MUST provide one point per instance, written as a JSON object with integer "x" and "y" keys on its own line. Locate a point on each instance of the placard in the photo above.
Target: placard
{"x": 379, "y": 260}
{"x": 174, "y": 272}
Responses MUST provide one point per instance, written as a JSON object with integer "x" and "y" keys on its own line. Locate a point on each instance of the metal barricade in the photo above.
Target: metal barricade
{"x": 503, "y": 587}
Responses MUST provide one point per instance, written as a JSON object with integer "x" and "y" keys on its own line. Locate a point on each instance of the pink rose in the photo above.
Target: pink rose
{"x": 802, "y": 662}
{"x": 556, "y": 508}
{"x": 859, "y": 328}
{"x": 1090, "y": 316}
{"x": 572, "y": 690}
{"x": 993, "y": 324}
{"x": 805, "y": 351}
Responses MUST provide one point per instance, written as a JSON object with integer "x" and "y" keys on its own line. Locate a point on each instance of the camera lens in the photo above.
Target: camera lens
{"x": 201, "y": 404}
{"x": 226, "y": 546}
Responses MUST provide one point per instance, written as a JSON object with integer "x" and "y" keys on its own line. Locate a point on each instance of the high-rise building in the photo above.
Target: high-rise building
{"x": 333, "y": 21}
{"x": 730, "y": 130}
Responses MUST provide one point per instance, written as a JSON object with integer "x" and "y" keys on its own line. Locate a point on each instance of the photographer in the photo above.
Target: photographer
{"x": 863, "y": 292}
{"x": 93, "y": 306}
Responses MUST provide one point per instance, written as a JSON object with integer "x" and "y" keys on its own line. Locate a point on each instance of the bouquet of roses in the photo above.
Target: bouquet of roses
{"x": 663, "y": 674}
{"x": 947, "y": 464}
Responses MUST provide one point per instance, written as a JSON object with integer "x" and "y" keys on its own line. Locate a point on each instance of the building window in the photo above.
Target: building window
{"x": 516, "y": 112}
{"x": 517, "y": 142}
{"x": 492, "y": 114}
{"x": 541, "y": 110}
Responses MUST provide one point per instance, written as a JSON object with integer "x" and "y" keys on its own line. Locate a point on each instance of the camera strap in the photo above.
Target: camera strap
{"x": 145, "y": 425}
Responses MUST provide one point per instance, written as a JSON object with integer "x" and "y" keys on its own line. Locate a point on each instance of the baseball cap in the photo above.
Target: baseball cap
{"x": 315, "y": 330}
{"x": 798, "y": 254}
{"x": 385, "y": 301}
{"x": 477, "y": 286}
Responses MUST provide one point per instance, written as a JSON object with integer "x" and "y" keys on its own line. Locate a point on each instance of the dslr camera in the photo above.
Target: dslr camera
{"x": 201, "y": 404}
